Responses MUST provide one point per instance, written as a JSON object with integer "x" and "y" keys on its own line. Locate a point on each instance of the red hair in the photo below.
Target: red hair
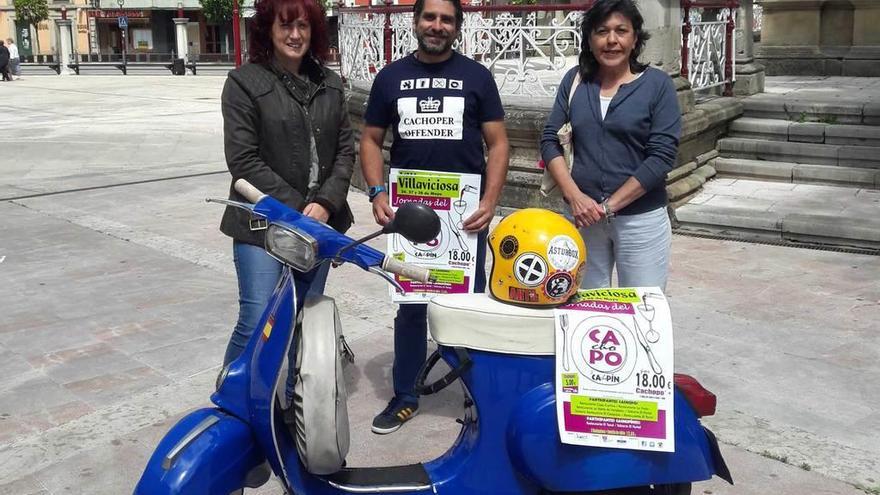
{"x": 260, "y": 48}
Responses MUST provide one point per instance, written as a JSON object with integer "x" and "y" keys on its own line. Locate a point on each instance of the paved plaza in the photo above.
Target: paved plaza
{"x": 118, "y": 295}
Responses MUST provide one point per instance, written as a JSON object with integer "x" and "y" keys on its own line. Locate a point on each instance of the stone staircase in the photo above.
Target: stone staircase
{"x": 795, "y": 171}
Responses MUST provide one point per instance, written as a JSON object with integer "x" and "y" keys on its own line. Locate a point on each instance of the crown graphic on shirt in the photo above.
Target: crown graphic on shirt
{"x": 429, "y": 105}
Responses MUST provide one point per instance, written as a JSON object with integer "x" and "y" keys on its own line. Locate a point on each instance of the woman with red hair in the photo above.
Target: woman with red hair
{"x": 287, "y": 132}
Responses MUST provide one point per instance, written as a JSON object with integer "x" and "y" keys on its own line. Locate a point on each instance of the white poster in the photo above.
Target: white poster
{"x": 452, "y": 255}
{"x": 614, "y": 370}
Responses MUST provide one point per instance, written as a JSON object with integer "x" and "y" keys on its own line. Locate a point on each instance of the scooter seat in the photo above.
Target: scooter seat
{"x": 477, "y": 321}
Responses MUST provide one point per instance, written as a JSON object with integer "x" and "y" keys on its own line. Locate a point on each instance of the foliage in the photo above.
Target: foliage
{"x": 32, "y": 12}
{"x": 217, "y": 11}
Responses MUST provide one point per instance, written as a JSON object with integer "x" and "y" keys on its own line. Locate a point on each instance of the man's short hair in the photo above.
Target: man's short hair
{"x": 419, "y": 6}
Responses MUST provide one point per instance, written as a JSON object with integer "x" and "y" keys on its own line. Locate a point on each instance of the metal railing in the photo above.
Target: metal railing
{"x": 708, "y": 44}
{"x": 527, "y": 47}
{"x": 757, "y": 19}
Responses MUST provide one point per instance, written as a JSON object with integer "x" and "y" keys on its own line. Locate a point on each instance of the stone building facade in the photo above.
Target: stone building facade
{"x": 820, "y": 37}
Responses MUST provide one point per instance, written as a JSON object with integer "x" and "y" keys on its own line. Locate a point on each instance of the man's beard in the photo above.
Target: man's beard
{"x": 433, "y": 49}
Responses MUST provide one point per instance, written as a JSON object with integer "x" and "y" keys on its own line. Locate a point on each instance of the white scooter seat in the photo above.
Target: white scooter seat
{"x": 477, "y": 321}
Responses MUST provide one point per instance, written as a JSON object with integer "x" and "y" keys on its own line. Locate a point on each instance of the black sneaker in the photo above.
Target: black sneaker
{"x": 394, "y": 416}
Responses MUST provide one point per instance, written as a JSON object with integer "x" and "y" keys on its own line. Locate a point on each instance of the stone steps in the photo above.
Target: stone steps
{"x": 783, "y": 212}
{"x": 837, "y": 110}
{"x": 838, "y": 155}
{"x": 796, "y": 172}
{"x": 797, "y": 167}
{"x": 805, "y": 132}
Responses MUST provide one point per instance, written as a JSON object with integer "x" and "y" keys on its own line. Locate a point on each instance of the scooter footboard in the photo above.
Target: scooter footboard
{"x": 207, "y": 452}
{"x": 537, "y": 452}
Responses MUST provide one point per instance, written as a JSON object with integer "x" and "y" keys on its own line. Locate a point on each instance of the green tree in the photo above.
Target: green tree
{"x": 217, "y": 11}
{"x": 32, "y": 12}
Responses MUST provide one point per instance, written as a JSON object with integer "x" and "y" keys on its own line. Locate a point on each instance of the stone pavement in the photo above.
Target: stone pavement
{"x": 118, "y": 296}
{"x": 773, "y": 211}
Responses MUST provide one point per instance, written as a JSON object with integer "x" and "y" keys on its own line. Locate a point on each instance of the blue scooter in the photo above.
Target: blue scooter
{"x": 508, "y": 443}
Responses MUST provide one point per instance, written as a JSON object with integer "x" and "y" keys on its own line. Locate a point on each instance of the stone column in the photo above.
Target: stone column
{"x": 820, "y": 37}
{"x": 663, "y": 50}
{"x": 789, "y": 36}
{"x": 663, "y": 23}
{"x": 180, "y": 24}
{"x": 864, "y": 57}
{"x": 749, "y": 75}
{"x": 64, "y": 45}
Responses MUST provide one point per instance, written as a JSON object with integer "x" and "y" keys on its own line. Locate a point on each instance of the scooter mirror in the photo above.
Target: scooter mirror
{"x": 415, "y": 221}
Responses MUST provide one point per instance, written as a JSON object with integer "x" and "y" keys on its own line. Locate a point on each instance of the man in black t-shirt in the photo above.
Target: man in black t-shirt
{"x": 441, "y": 106}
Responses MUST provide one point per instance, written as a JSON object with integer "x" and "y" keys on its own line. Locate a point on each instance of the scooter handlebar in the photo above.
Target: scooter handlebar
{"x": 389, "y": 264}
{"x": 247, "y": 190}
{"x": 407, "y": 270}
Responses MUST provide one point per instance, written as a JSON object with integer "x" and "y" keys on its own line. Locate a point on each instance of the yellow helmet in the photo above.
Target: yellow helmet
{"x": 537, "y": 258}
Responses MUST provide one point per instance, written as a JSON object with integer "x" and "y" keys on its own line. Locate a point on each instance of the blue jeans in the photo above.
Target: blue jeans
{"x": 411, "y": 334}
{"x": 638, "y": 244}
{"x": 258, "y": 274}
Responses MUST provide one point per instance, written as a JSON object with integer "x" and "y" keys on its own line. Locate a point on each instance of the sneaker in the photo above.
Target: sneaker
{"x": 394, "y": 416}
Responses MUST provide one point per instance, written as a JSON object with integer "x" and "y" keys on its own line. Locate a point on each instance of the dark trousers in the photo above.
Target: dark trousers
{"x": 411, "y": 334}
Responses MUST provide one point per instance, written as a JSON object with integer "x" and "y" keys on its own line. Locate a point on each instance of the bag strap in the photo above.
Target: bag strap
{"x": 574, "y": 86}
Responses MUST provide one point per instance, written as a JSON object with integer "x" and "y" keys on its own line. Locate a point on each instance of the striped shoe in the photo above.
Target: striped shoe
{"x": 394, "y": 416}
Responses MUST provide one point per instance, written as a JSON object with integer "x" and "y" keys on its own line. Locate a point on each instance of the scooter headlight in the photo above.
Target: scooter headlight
{"x": 297, "y": 249}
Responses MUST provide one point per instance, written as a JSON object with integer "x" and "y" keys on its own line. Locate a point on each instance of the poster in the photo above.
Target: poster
{"x": 614, "y": 370}
{"x": 452, "y": 255}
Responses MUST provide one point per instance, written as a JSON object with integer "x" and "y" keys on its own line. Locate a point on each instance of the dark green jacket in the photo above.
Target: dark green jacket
{"x": 267, "y": 142}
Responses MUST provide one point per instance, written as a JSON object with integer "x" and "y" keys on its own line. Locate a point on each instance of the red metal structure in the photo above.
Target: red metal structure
{"x": 687, "y": 28}
{"x": 236, "y": 32}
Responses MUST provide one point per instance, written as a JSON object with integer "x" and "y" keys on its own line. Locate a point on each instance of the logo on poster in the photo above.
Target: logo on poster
{"x": 608, "y": 350}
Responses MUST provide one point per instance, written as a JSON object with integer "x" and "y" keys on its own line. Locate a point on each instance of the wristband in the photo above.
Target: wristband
{"x": 375, "y": 191}
{"x": 608, "y": 213}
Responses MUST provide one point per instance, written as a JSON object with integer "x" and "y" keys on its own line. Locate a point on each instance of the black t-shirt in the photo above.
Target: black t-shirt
{"x": 435, "y": 111}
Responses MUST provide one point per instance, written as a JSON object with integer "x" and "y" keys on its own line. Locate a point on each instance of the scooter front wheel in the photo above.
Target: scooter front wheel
{"x": 671, "y": 489}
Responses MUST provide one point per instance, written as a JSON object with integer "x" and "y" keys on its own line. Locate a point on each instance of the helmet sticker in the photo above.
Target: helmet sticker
{"x": 508, "y": 247}
{"x": 563, "y": 253}
{"x": 522, "y": 295}
{"x": 530, "y": 269}
{"x": 558, "y": 285}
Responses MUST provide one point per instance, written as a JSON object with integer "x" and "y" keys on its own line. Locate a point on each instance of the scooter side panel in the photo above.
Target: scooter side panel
{"x": 270, "y": 350}
{"x": 205, "y": 453}
{"x": 538, "y": 452}
{"x": 496, "y": 382}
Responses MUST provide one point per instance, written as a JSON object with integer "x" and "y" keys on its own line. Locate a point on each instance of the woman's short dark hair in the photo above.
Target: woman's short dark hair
{"x": 260, "y": 48}
{"x": 419, "y": 6}
{"x": 598, "y": 14}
